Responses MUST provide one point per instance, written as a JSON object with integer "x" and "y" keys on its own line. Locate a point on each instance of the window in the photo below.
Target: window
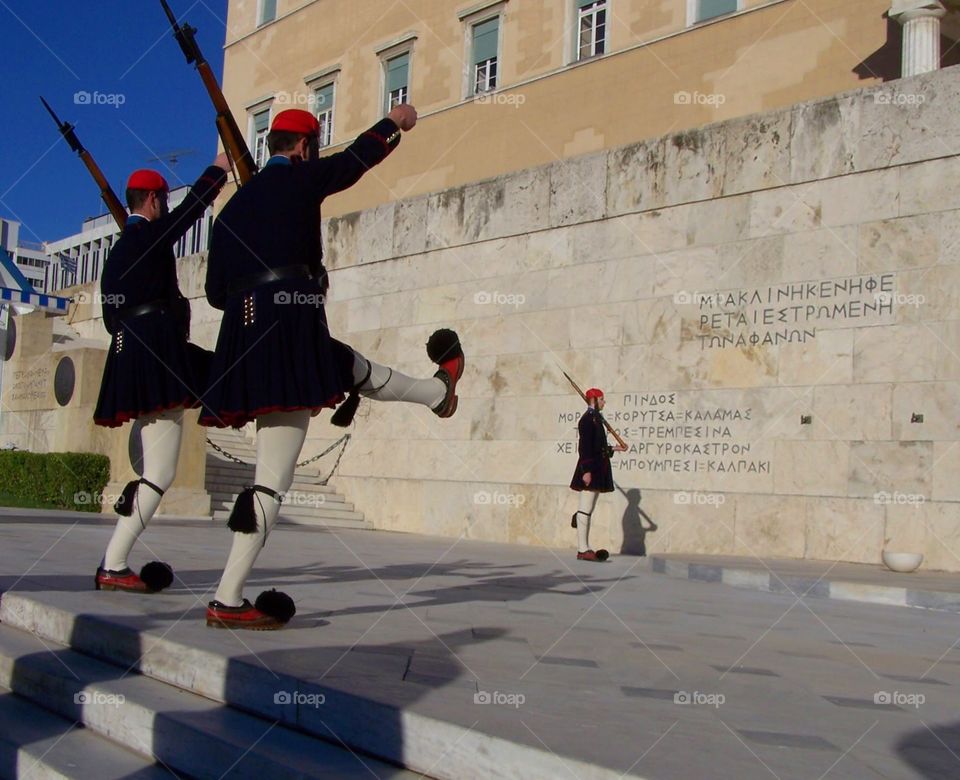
{"x": 398, "y": 80}
{"x": 323, "y": 100}
{"x": 260, "y": 123}
{"x": 484, "y": 56}
{"x": 591, "y": 28}
{"x": 709, "y": 9}
{"x": 268, "y": 12}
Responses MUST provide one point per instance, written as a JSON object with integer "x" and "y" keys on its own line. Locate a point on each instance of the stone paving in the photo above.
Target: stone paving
{"x": 609, "y": 666}
{"x": 872, "y": 583}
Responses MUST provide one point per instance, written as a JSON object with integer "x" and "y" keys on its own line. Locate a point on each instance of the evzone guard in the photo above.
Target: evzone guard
{"x": 593, "y": 474}
{"x": 275, "y": 361}
{"x": 152, "y": 372}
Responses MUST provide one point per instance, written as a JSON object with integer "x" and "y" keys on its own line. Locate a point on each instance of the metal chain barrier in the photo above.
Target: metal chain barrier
{"x": 345, "y": 439}
{"x": 227, "y": 455}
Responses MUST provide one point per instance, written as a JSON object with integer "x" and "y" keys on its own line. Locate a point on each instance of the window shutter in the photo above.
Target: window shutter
{"x": 397, "y": 72}
{"x": 323, "y": 98}
{"x": 485, "y": 37}
{"x": 712, "y": 8}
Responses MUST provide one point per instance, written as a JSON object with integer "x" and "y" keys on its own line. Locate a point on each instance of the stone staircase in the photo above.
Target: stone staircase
{"x": 71, "y": 707}
{"x": 307, "y": 502}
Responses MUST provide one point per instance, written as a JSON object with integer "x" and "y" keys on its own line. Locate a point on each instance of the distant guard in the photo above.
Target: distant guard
{"x": 593, "y": 474}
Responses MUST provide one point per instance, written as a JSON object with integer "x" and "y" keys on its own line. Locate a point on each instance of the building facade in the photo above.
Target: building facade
{"x": 30, "y": 258}
{"x": 769, "y": 301}
{"x": 506, "y": 85}
{"x": 79, "y": 259}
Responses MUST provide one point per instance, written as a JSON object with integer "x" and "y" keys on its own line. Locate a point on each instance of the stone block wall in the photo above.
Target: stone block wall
{"x": 769, "y": 303}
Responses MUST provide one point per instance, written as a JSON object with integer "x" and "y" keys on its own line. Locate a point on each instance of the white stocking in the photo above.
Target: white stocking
{"x": 588, "y": 500}
{"x": 280, "y": 437}
{"x": 160, "y": 437}
{"x": 386, "y": 384}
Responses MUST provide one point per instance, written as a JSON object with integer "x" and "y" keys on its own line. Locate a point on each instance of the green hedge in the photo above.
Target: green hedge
{"x": 60, "y": 480}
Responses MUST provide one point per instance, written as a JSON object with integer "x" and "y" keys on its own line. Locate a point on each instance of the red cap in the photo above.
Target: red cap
{"x": 296, "y": 120}
{"x": 146, "y": 179}
{"x": 593, "y": 392}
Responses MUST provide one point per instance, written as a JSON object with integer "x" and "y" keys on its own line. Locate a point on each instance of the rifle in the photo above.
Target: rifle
{"x": 109, "y": 198}
{"x": 576, "y": 387}
{"x": 233, "y": 142}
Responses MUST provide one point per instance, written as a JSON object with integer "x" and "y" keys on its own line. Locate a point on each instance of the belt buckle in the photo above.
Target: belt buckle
{"x": 249, "y": 309}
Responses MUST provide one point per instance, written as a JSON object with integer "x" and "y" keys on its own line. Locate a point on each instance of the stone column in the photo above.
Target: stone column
{"x": 921, "y": 34}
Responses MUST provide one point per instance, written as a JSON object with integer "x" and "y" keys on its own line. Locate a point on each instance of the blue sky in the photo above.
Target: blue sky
{"x": 144, "y": 101}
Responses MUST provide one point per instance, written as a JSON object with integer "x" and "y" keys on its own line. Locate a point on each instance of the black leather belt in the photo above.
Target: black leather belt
{"x": 145, "y": 308}
{"x": 252, "y": 281}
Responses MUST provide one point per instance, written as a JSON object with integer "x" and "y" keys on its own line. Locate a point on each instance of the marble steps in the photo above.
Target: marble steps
{"x": 333, "y": 520}
{"x": 38, "y": 744}
{"x": 326, "y": 510}
{"x": 184, "y": 732}
{"x": 308, "y": 502}
{"x": 237, "y": 479}
{"x": 420, "y": 733}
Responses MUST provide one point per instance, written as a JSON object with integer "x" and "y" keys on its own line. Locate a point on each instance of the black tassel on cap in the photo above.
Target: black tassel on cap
{"x": 124, "y": 505}
{"x": 243, "y": 519}
{"x": 346, "y": 411}
{"x": 157, "y": 575}
{"x": 276, "y": 604}
{"x": 444, "y": 345}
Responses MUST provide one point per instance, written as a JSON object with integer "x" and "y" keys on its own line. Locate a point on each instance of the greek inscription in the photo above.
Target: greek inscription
{"x": 791, "y": 313}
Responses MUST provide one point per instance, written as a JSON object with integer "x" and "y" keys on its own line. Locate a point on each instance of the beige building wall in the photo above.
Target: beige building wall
{"x": 547, "y": 107}
{"x": 770, "y": 304}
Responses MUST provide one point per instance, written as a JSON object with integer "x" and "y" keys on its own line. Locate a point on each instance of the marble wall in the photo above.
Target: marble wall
{"x": 770, "y": 304}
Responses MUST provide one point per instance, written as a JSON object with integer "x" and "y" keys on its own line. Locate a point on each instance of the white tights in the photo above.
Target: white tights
{"x": 160, "y": 436}
{"x": 386, "y": 384}
{"x": 588, "y": 500}
{"x": 280, "y": 438}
